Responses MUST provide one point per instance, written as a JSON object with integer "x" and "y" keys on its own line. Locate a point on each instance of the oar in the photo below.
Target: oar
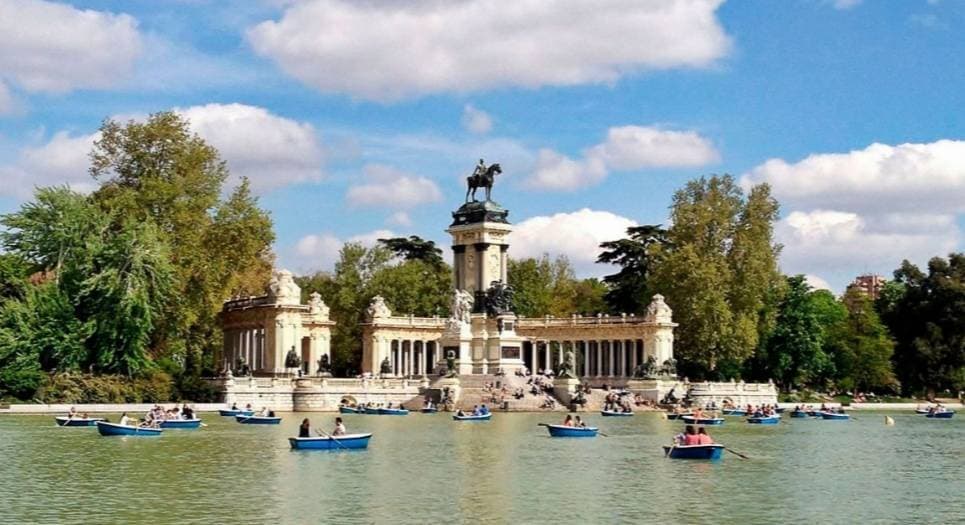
{"x": 323, "y": 433}
{"x": 738, "y": 454}
{"x": 669, "y": 450}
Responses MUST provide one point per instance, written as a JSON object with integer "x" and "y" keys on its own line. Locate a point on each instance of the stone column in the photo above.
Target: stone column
{"x": 547, "y": 356}
{"x": 586, "y": 359}
{"x": 623, "y": 357}
{"x": 599, "y": 358}
{"x": 610, "y": 360}
{"x": 633, "y": 356}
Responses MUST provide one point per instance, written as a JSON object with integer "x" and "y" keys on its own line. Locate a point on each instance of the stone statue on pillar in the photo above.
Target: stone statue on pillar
{"x": 566, "y": 368}
{"x": 377, "y": 308}
{"x": 324, "y": 368}
{"x": 499, "y": 299}
{"x": 386, "y": 367}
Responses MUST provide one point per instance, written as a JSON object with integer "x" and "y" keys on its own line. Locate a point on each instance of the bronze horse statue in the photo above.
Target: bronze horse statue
{"x": 482, "y": 181}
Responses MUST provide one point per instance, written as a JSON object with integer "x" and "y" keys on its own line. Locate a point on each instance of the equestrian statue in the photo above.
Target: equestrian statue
{"x": 482, "y": 177}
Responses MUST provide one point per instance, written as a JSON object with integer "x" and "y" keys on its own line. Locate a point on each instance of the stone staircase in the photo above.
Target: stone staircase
{"x": 473, "y": 392}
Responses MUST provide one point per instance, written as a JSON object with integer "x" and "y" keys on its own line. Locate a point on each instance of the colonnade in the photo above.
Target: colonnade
{"x": 411, "y": 357}
{"x": 593, "y": 358}
{"x": 246, "y": 343}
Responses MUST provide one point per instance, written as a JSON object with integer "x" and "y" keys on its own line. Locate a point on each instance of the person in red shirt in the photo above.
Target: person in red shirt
{"x": 703, "y": 438}
{"x": 690, "y": 436}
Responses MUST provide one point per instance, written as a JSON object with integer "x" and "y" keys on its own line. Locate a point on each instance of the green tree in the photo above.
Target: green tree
{"x": 628, "y": 288}
{"x": 414, "y": 248}
{"x": 861, "y": 347}
{"x": 795, "y": 349}
{"x": 158, "y": 171}
{"x": 414, "y": 287}
{"x": 589, "y": 297}
{"x": 718, "y": 271}
{"x": 549, "y": 287}
{"x": 926, "y": 315}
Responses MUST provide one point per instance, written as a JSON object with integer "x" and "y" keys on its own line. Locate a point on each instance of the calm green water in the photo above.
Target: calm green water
{"x": 428, "y": 469}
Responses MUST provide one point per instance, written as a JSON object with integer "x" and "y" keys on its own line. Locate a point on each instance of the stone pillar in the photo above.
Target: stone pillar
{"x": 547, "y": 356}
{"x": 586, "y": 358}
{"x": 599, "y": 358}
{"x": 610, "y": 360}
{"x": 633, "y": 356}
{"x": 623, "y": 357}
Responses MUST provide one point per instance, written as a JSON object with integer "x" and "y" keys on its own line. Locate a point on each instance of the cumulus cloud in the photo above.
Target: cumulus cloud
{"x": 476, "y": 120}
{"x": 391, "y": 50}
{"x": 816, "y": 282}
{"x": 62, "y": 160}
{"x": 400, "y": 218}
{"x": 577, "y": 235}
{"x": 388, "y": 187}
{"x": 625, "y": 148}
{"x": 319, "y": 252}
{"x": 270, "y": 150}
{"x": 46, "y": 46}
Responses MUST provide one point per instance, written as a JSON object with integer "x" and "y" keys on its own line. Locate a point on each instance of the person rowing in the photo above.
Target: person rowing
{"x": 703, "y": 438}
{"x": 339, "y": 427}
{"x": 579, "y": 422}
{"x": 234, "y": 406}
{"x": 72, "y": 413}
{"x": 568, "y": 422}
{"x": 304, "y": 430}
{"x": 690, "y": 436}
{"x": 125, "y": 421}
{"x": 265, "y": 412}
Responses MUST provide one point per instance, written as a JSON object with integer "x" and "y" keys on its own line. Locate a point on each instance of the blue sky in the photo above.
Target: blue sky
{"x": 597, "y": 112}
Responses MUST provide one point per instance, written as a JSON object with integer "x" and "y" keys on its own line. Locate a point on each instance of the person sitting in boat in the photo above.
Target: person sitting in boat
{"x": 460, "y": 413}
{"x": 248, "y": 407}
{"x": 703, "y": 438}
{"x": 72, "y": 413}
{"x": 579, "y": 422}
{"x": 234, "y": 406}
{"x": 475, "y": 410}
{"x": 305, "y": 429}
{"x": 264, "y": 412}
{"x": 483, "y": 410}
{"x": 698, "y": 413}
{"x": 690, "y": 436}
{"x": 568, "y": 422}
{"x": 339, "y": 427}
{"x": 187, "y": 412}
{"x": 124, "y": 421}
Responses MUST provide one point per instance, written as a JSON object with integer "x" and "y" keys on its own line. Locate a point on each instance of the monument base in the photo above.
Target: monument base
{"x": 564, "y": 388}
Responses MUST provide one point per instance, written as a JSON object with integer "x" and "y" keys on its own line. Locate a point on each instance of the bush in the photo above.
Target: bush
{"x": 155, "y": 387}
{"x": 188, "y": 387}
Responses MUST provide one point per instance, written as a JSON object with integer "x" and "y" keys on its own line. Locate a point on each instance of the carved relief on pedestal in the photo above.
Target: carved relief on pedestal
{"x": 317, "y": 307}
{"x": 282, "y": 288}
{"x": 377, "y": 308}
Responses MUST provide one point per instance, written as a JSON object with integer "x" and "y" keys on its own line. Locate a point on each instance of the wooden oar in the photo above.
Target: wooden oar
{"x": 738, "y": 454}
{"x": 323, "y": 433}
{"x": 669, "y": 450}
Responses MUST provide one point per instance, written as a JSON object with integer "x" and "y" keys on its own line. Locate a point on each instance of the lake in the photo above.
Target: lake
{"x": 429, "y": 469}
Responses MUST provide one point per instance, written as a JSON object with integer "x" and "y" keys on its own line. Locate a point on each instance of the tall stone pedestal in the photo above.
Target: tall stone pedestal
{"x": 565, "y": 389}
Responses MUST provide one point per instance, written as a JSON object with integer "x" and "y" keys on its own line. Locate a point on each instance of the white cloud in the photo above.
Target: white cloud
{"x": 879, "y": 178}
{"x": 319, "y": 252}
{"x": 400, "y": 218}
{"x": 270, "y": 150}
{"x": 625, "y": 148}
{"x": 816, "y": 282}
{"x": 389, "y": 187}
{"x": 476, "y": 120}
{"x": 62, "y": 160}
{"x": 46, "y": 46}
{"x": 577, "y": 235}
{"x": 391, "y": 50}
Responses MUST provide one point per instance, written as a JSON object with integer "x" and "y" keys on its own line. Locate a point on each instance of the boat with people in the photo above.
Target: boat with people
{"x": 472, "y": 417}
{"x": 181, "y": 423}
{"x": 345, "y": 409}
{"x": 67, "y": 421}
{"x": 258, "y": 420}
{"x": 571, "y": 431}
{"x": 370, "y": 410}
{"x": 106, "y": 428}
{"x": 835, "y": 416}
{"x": 712, "y": 451}
{"x": 235, "y": 412}
{"x": 347, "y": 441}
{"x": 615, "y": 413}
{"x": 941, "y": 414}
{"x": 764, "y": 420}
{"x": 691, "y": 420}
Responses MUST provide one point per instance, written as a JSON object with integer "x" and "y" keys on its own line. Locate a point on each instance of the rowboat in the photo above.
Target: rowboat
{"x": 429, "y": 410}
{"x": 799, "y": 413}
{"x": 113, "y": 429}
{"x": 734, "y": 412}
{"x": 690, "y": 420}
{"x": 233, "y": 412}
{"x": 478, "y": 417}
{"x": 672, "y": 416}
{"x": 65, "y": 421}
{"x": 372, "y": 411}
{"x": 714, "y": 451}
{"x": 780, "y": 410}
{"x": 354, "y": 441}
{"x": 609, "y": 413}
{"x": 564, "y": 431}
{"x": 834, "y": 416}
{"x": 941, "y": 415}
{"x": 392, "y": 412}
{"x": 181, "y": 423}
{"x": 258, "y": 420}
{"x": 764, "y": 420}
{"x": 350, "y": 410}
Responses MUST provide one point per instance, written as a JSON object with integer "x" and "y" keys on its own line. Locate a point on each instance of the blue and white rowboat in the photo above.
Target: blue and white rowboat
{"x": 372, "y": 411}
{"x": 64, "y": 421}
{"x": 941, "y": 415}
{"x": 690, "y": 420}
{"x": 392, "y": 412}
{"x": 181, "y": 423}
{"x": 565, "y": 431}
{"x": 470, "y": 417}
{"x": 258, "y": 420}
{"x": 233, "y": 413}
{"x": 113, "y": 429}
{"x": 432, "y": 410}
{"x": 834, "y": 416}
{"x": 764, "y": 420}
{"x": 348, "y": 441}
{"x": 799, "y": 413}
{"x": 608, "y": 413}
{"x": 714, "y": 451}
{"x": 350, "y": 410}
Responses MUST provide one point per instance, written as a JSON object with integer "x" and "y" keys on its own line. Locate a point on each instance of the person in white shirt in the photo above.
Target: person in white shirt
{"x": 265, "y": 412}
{"x": 339, "y": 427}
{"x": 124, "y": 421}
